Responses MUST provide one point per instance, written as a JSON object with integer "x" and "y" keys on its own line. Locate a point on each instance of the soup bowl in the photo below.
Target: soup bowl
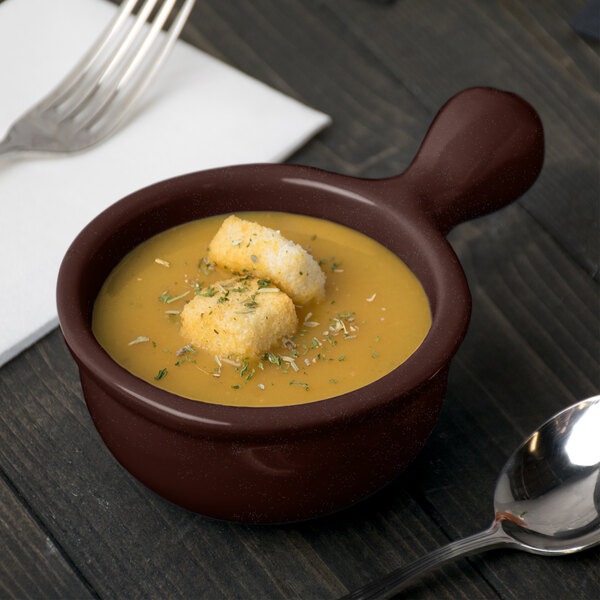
{"x": 483, "y": 150}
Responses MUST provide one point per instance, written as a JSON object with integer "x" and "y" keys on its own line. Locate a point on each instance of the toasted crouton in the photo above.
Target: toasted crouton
{"x": 248, "y": 247}
{"x": 240, "y": 317}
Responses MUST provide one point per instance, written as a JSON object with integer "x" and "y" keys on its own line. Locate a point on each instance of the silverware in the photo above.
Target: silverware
{"x": 89, "y": 103}
{"x": 547, "y": 499}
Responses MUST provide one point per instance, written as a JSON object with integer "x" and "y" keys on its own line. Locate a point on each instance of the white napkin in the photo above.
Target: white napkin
{"x": 198, "y": 114}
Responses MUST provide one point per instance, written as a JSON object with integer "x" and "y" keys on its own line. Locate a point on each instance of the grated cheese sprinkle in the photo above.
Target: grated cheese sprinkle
{"x": 139, "y": 340}
{"x": 230, "y": 362}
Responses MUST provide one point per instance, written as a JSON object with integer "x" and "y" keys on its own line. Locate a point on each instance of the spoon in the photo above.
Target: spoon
{"x": 547, "y": 499}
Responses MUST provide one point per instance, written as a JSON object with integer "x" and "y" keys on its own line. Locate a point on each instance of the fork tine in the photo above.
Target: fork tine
{"x": 141, "y": 20}
{"x": 121, "y": 64}
{"x": 88, "y": 86}
{"x": 64, "y": 87}
{"x": 147, "y": 43}
{"x": 108, "y": 109}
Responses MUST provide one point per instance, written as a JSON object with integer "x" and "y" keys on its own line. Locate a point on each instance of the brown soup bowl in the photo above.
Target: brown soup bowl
{"x": 483, "y": 150}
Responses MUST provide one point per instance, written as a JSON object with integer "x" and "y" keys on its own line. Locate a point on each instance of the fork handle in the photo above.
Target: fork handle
{"x": 392, "y": 583}
{"x": 9, "y": 146}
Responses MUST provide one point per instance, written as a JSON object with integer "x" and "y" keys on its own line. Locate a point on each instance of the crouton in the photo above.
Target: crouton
{"x": 240, "y": 317}
{"x": 248, "y": 247}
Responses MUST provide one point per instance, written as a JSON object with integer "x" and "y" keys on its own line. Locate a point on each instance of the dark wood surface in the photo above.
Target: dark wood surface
{"x": 74, "y": 524}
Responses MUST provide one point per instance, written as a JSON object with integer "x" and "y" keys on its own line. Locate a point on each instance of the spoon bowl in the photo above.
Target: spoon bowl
{"x": 548, "y": 494}
{"x": 547, "y": 499}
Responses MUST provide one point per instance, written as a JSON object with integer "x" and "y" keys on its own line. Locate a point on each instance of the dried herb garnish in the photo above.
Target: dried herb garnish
{"x": 299, "y": 383}
{"x": 273, "y": 358}
{"x": 178, "y": 297}
{"x": 210, "y": 292}
{"x": 162, "y": 373}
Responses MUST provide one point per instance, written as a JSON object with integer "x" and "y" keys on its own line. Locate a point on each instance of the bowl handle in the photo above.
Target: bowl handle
{"x": 484, "y": 149}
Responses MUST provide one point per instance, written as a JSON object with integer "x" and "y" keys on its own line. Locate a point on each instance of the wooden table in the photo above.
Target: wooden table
{"x": 74, "y": 524}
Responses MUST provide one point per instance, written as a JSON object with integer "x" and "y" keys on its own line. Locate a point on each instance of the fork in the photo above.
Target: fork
{"x": 91, "y": 101}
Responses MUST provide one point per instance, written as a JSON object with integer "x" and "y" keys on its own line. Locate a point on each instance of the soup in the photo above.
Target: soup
{"x": 373, "y": 316}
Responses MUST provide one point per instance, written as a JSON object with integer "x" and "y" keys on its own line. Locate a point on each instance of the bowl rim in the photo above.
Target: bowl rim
{"x": 450, "y": 316}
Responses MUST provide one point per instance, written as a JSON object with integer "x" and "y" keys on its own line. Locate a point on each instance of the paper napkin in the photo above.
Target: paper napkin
{"x": 198, "y": 114}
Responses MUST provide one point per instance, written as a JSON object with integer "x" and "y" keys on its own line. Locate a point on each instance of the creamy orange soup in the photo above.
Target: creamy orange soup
{"x": 374, "y": 316}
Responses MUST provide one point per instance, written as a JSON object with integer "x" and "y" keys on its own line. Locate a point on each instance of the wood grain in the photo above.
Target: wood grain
{"x": 516, "y": 46}
{"x": 381, "y": 70}
{"x": 32, "y": 566}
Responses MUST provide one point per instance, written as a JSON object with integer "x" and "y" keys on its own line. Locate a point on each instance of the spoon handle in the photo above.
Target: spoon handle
{"x": 396, "y": 580}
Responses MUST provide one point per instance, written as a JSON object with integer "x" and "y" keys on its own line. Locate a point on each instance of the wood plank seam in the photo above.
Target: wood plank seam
{"x": 593, "y": 274}
{"x": 370, "y": 54}
{"x": 46, "y": 531}
{"x": 429, "y": 509}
